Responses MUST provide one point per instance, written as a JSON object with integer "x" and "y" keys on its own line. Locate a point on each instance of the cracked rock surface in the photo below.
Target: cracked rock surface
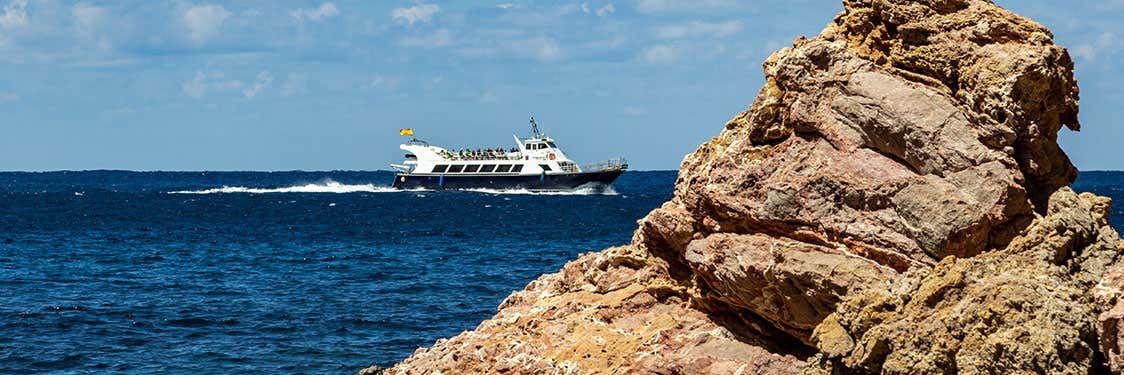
{"x": 893, "y": 201}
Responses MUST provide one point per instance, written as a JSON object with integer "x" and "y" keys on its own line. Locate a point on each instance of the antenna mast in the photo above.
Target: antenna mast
{"x": 535, "y": 128}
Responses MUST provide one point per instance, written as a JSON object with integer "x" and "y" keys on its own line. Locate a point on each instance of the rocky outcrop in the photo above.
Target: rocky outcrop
{"x": 893, "y": 201}
{"x": 1027, "y": 307}
{"x": 616, "y": 311}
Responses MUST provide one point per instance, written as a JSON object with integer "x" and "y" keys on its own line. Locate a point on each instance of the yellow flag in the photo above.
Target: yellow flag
{"x": 406, "y": 131}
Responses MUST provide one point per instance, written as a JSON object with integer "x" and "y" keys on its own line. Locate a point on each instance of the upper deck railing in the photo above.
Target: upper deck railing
{"x": 614, "y": 164}
{"x": 482, "y": 155}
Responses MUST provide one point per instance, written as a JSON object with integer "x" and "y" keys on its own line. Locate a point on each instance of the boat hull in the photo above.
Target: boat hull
{"x": 550, "y": 182}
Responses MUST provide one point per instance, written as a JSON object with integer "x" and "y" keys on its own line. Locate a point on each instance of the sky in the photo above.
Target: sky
{"x": 325, "y": 85}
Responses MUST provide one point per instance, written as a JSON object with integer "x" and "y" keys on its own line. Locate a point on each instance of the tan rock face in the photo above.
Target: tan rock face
{"x": 616, "y": 311}
{"x": 894, "y": 199}
{"x": 1023, "y": 308}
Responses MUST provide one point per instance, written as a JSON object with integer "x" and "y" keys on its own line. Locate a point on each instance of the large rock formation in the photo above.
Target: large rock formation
{"x": 894, "y": 200}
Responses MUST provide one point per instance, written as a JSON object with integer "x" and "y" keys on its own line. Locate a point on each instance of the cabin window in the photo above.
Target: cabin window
{"x": 440, "y": 168}
{"x": 472, "y": 168}
{"x": 517, "y": 168}
{"x": 455, "y": 168}
{"x": 503, "y": 168}
{"x": 411, "y": 157}
{"x": 488, "y": 168}
{"x": 568, "y": 166}
{"x": 551, "y": 144}
{"x": 545, "y": 167}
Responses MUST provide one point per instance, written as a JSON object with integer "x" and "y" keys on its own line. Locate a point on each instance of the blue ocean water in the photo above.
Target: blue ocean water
{"x": 290, "y": 272}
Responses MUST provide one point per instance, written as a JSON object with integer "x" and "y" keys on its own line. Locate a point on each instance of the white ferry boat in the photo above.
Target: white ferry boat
{"x": 535, "y": 164}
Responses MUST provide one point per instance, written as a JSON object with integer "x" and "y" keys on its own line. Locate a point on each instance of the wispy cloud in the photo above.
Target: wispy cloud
{"x": 655, "y": 6}
{"x": 660, "y": 54}
{"x": 414, "y": 14}
{"x": 696, "y": 29}
{"x": 88, "y": 22}
{"x": 543, "y": 49}
{"x": 602, "y": 11}
{"x": 14, "y": 15}
{"x": 1106, "y": 44}
{"x": 203, "y": 83}
{"x": 204, "y": 21}
{"x": 325, "y": 10}
{"x": 263, "y": 80}
{"x": 294, "y": 85}
{"x": 438, "y": 38}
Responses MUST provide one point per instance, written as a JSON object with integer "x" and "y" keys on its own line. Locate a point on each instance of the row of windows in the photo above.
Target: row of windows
{"x": 540, "y": 146}
{"x": 475, "y": 168}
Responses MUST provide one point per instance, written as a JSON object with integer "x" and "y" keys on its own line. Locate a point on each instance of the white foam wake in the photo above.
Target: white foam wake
{"x": 581, "y": 190}
{"x": 328, "y": 186}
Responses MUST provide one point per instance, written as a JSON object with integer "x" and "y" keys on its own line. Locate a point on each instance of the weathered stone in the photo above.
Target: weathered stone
{"x": 792, "y": 284}
{"x": 1022, "y": 309}
{"x": 893, "y": 201}
{"x": 610, "y": 312}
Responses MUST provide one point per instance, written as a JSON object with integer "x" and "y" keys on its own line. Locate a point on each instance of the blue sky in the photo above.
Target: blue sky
{"x": 316, "y": 85}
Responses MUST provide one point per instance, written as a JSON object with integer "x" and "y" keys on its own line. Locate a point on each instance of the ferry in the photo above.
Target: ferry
{"x": 535, "y": 164}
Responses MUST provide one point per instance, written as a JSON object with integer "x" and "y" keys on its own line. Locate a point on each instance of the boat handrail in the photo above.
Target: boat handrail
{"x": 484, "y": 155}
{"x": 613, "y": 164}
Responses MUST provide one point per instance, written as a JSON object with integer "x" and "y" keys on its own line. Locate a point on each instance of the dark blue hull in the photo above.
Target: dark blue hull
{"x": 558, "y": 182}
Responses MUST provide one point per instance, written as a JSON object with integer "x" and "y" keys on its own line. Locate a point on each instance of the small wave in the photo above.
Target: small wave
{"x": 323, "y": 187}
{"x": 581, "y": 190}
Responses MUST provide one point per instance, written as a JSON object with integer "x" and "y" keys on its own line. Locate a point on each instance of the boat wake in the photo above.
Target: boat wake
{"x": 581, "y": 190}
{"x": 328, "y": 186}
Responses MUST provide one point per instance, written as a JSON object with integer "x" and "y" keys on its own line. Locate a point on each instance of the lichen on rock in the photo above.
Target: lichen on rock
{"x": 894, "y": 200}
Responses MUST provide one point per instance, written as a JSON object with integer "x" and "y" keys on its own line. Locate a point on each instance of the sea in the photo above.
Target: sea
{"x": 283, "y": 272}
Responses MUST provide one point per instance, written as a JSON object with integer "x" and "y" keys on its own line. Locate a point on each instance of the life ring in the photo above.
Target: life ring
{"x": 551, "y": 156}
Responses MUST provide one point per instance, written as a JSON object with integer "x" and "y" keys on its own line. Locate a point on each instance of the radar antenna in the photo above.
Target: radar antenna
{"x": 535, "y": 129}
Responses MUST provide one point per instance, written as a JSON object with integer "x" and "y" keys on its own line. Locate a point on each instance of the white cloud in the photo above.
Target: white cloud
{"x": 202, "y": 83}
{"x": 414, "y": 14}
{"x": 505, "y": 6}
{"x": 260, "y": 83}
{"x": 325, "y": 10}
{"x": 654, "y": 6}
{"x": 605, "y": 10}
{"x": 634, "y": 111}
{"x": 699, "y": 29}
{"x": 439, "y": 38}
{"x": 293, "y": 85}
{"x": 379, "y": 82}
{"x": 545, "y": 49}
{"x": 660, "y": 54}
{"x": 14, "y": 15}
{"x": 1106, "y": 44}
{"x": 87, "y": 17}
{"x": 375, "y": 81}
{"x": 204, "y": 21}
{"x": 603, "y": 44}
{"x": 88, "y": 21}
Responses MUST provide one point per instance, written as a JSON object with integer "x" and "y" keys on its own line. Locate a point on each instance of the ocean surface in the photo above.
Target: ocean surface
{"x": 285, "y": 272}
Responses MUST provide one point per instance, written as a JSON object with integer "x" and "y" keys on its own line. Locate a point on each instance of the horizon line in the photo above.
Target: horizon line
{"x": 244, "y": 171}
